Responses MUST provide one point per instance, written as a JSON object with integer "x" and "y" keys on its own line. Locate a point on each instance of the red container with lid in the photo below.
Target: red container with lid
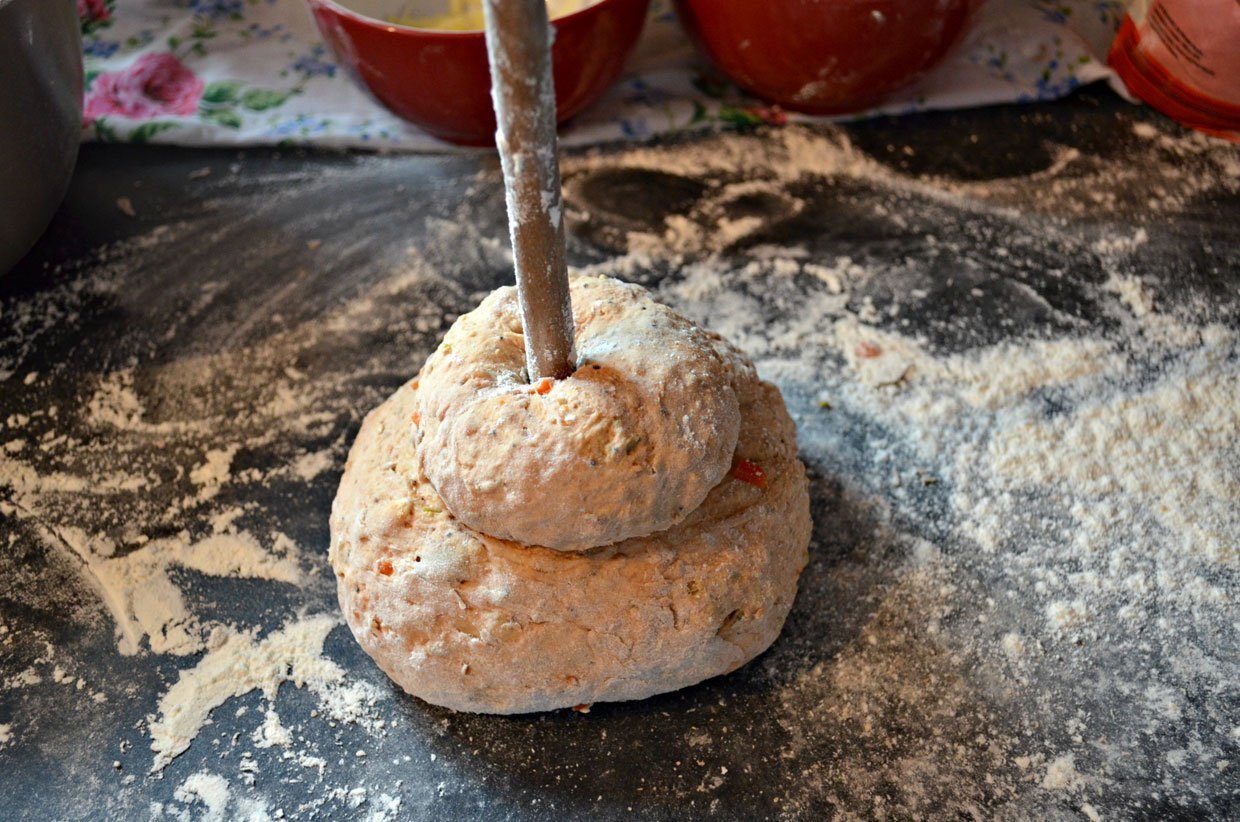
{"x": 1183, "y": 58}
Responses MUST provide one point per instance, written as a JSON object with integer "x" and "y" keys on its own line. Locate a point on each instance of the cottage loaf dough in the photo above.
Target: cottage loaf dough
{"x": 478, "y": 623}
{"x": 628, "y": 445}
{"x": 475, "y": 623}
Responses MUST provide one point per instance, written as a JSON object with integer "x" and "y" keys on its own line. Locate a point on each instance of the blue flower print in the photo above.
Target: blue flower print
{"x": 313, "y": 64}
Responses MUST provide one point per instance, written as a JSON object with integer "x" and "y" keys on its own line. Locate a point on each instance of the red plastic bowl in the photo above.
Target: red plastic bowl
{"x": 439, "y": 80}
{"x": 825, "y": 56}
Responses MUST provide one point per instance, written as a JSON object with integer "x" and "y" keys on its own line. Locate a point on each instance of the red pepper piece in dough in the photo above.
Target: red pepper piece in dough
{"x": 750, "y": 472}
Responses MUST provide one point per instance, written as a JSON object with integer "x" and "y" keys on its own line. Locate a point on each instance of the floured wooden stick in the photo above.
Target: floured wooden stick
{"x": 518, "y": 38}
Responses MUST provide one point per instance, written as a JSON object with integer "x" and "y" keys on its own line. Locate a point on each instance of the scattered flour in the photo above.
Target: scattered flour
{"x": 1169, "y": 450}
{"x": 139, "y": 591}
{"x": 213, "y": 472}
{"x": 115, "y": 404}
{"x": 220, "y": 803}
{"x": 208, "y": 789}
{"x": 310, "y": 466}
{"x": 1132, "y": 293}
{"x": 1024, "y": 511}
{"x": 237, "y": 663}
{"x": 1061, "y": 774}
{"x": 108, "y": 513}
{"x": 1091, "y": 476}
{"x": 384, "y": 808}
{"x": 271, "y": 732}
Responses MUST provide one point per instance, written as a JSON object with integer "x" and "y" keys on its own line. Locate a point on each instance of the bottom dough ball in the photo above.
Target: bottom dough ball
{"x": 474, "y": 623}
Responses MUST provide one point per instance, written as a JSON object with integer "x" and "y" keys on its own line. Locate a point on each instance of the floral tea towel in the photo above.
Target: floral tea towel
{"x": 254, "y": 72}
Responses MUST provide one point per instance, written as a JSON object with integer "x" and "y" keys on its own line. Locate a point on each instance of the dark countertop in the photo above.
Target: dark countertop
{"x": 939, "y": 662}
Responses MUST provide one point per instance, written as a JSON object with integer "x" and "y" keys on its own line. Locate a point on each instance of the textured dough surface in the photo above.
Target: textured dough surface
{"x": 480, "y": 624}
{"x": 628, "y": 445}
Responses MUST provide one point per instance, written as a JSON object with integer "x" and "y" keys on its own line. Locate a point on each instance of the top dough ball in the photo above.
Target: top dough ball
{"x": 629, "y": 445}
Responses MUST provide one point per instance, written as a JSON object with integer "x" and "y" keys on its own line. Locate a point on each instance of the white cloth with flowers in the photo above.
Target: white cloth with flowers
{"x": 255, "y": 72}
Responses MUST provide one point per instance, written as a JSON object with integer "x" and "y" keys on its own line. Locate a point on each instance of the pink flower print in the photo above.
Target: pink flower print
{"x": 771, "y": 115}
{"x": 93, "y": 11}
{"x": 157, "y": 84}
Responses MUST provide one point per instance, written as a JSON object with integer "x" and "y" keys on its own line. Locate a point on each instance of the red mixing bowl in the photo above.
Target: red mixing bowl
{"x": 439, "y": 80}
{"x": 825, "y": 56}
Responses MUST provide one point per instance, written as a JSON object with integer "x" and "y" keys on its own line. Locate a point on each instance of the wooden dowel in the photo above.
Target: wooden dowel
{"x": 518, "y": 38}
